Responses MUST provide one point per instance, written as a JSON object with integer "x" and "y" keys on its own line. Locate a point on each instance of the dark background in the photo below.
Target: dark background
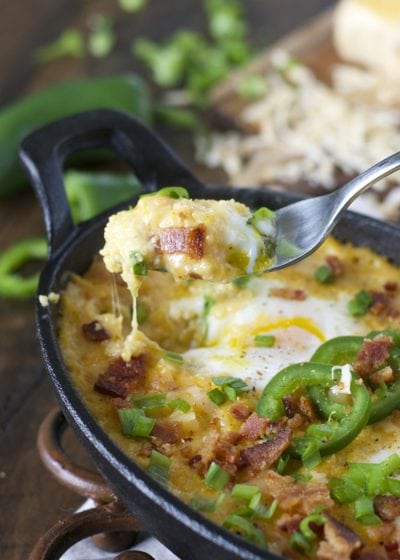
{"x": 30, "y": 500}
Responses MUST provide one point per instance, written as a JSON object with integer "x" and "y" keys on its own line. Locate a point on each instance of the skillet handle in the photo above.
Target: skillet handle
{"x": 44, "y": 151}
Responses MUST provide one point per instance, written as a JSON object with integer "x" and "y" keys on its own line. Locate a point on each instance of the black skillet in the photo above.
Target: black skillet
{"x": 71, "y": 248}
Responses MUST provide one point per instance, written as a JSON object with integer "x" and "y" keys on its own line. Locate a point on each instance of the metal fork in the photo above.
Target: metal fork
{"x": 302, "y": 227}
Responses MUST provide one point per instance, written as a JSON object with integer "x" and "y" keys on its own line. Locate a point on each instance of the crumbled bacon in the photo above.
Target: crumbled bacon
{"x": 195, "y": 459}
{"x": 188, "y": 240}
{"x": 121, "y": 377}
{"x": 121, "y": 403}
{"x": 289, "y": 293}
{"x": 390, "y": 286}
{"x": 306, "y": 408}
{"x": 372, "y": 354}
{"x": 240, "y": 411}
{"x": 166, "y": 432}
{"x": 373, "y": 553}
{"x": 382, "y": 303}
{"x": 95, "y": 331}
{"x": 339, "y": 541}
{"x": 294, "y": 497}
{"x": 254, "y": 427}
{"x": 384, "y": 375}
{"x": 289, "y": 523}
{"x": 335, "y": 264}
{"x": 263, "y": 455}
{"x": 289, "y": 404}
{"x": 387, "y": 507}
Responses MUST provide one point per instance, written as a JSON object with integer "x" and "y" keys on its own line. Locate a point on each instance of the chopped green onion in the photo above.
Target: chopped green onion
{"x": 69, "y": 43}
{"x": 253, "y": 87}
{"x": 311, "y": 456}
{"x": 300, "y": 477}
{"x": 364, "y": 511}
{"x": 242, "y": 281}
{"x": 324, "y": 275}
{"x": 203, "y": 504}
{"x": 265, "y": 513}
{"x": 216, "y": 477}
{"x": 264, "y": 340}
{"x": 159, "y": 467}
{"x": 317, "y": 518}
{"x": 141, "y": 313}
{"x": 344, "y": 491}
{"x": 135, "y": 423}
{"x": 360, "y": 304}
{"x": 173, "y": 357}
{"x": 155, "y": 400}
{"x": 233, "y": 382}
{"x": 209, "y": 302}
{"x": 285, "y": 248}
{"x": 101, "y": 38}
{"x": 230, "y": 392}
{"x": 132, "y": 5}
{"x": 245, "y": 528}
{"x": 245, "y": 491}
{"x": 262, "y": 214}
{"x": 179, "y": 404}
{"x": 171, "y": 192}
{"x": 138, "y": 263}
{"x": 299, "y": 542}
{"x": 217, "y": 396}
{"x": 282, "y": 463}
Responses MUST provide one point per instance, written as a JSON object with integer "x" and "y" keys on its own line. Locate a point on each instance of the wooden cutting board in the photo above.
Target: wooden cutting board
{"x": 311, "y": 44}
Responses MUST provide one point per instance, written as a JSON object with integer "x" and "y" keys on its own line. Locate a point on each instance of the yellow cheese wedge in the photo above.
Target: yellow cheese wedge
{"x": 367, "y": 32}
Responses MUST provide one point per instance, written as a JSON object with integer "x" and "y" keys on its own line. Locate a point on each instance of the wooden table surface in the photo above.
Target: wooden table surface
{"x": 31, "y": 501}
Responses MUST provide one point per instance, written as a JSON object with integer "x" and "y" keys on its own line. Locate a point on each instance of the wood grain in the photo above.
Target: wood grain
{"x": 31, "y": 500}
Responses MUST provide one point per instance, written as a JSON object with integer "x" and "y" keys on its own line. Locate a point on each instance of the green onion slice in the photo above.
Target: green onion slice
{"x": 216, "y": 477}
{"x": 245, "y": 528}
{"x": 135, "y": 423}
{"x": 139, "y": 265}
{"x": 159, "y": 467}
{"x": 264, "y": 340}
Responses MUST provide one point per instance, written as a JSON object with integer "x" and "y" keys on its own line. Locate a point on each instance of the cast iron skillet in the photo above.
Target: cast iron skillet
{"x": 183, "y": 530}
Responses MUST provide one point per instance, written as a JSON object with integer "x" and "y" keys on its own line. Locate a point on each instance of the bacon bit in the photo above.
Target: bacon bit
{"x": 240, "y": 411}
{"x": 195, "y": 459}
{"x": 373, "y": 553}
{"x": 393, "y": 550}
{"x": 339, "y": 541}
{"x": 294, "y": 497}
{"x": 263, "y": 455}
{"x": 384, "y": 533}
{"x": 288, "y": 293}
{"x": 227, "y": 456}
{"x": 387, "y": 507}
{"x": 372, "y": 354}
{"x": 121, "y": 403}
{"x": 254, "y": 427}
{"x": 121, "y": 377}
{"x": 306, "y": 408}
{"x": 289, "y": 523}
{"x": 188, "y": 240}
{"x": 336, "y": 265}
{"x": 390, "y": 286}
{"x": 166, "y": 432}
{"x": 384, "y": 375}
{"x": 381, "y": 304}
{"x": 297, "y": 422}
{"x": 95, "y": 331}
{"x": 195, "y": 276}
{"x": 289, "y": 404}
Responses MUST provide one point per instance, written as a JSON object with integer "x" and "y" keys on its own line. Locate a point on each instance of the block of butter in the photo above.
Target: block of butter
{"x": 367, "y": 32}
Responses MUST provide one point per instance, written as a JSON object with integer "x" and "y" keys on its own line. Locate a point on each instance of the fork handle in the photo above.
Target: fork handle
{"x": 351, "y": 190}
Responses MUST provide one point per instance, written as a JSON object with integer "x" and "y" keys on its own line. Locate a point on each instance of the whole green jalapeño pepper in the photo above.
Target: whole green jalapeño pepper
{"x": 328, "y": 437}
{"x": 344, "y": 349}
{"x": 126, "y": 92}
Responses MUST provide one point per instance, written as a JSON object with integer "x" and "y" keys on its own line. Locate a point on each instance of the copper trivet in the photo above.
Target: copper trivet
{"x": 110, "y": 525}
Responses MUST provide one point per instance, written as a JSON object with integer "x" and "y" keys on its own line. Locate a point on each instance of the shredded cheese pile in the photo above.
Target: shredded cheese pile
{"x": 306, "y": 131}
